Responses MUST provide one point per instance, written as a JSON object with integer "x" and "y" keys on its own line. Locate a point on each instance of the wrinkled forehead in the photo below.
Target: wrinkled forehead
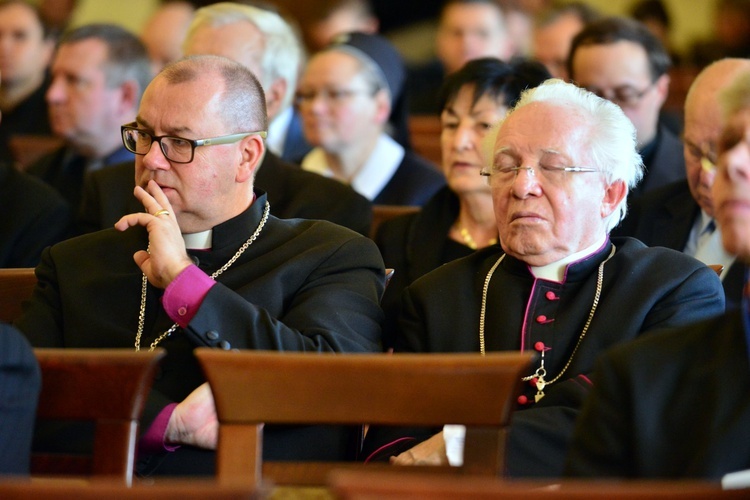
{"x": 544, "y": 126}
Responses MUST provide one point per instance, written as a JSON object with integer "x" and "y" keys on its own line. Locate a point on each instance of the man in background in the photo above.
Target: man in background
{"x": 98, "y": 75}
{"x": 554, "y": 31}
{"x": 468, "y": 29}
{"x": 621, "y": 60}
{"x": 681, "y": 215}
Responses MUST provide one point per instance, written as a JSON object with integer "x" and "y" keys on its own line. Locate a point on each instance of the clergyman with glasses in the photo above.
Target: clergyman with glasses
{"x": 563, "y": 161}
{"x": 680, "y": 215}
{"x": 205, "y": 264}
{"x": 621, "y": 60}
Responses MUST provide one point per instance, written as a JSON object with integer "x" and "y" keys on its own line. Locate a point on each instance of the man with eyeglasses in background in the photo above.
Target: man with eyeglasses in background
{"x": 205, "y": 264}
{"x": 621, "y": 60}
{"x": 562, "y": 164}
{"x": 680, "y": 215}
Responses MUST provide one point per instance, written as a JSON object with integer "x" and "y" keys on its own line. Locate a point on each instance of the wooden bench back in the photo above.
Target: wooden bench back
{"x": 106, "y": 386}
{"x": 16, "y": 286}
{"x": 252, "y": 388}
{"x": 368, "y": 485}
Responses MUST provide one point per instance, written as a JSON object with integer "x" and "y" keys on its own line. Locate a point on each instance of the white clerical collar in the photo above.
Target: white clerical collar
{"x": 277, "y": 131}
{"x": 199, "y": 241}
{"x": 556, "y": 270}
{"x": 374, "y": 174}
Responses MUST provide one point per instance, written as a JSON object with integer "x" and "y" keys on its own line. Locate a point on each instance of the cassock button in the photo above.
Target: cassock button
{"x": 522, "y": 400}
{"x": 225, "y": 345}
{"x": 212, "y": 335}
{"x": 539, "y": 346}
{"x": 551, "y": 295}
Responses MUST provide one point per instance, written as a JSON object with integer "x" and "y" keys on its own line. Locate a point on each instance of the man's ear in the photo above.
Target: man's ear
{"x": 129, "y": 98}
{"x": 252, "y": 151}
{"x": 275, "y": 97}
{"x": 662, "y": 87}
{"x": 613, "y": 195}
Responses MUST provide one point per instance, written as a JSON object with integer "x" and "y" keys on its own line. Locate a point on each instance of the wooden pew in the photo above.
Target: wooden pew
{"x": 16, "y": 286}
{"x": 369, "y": 485}
{"x": 106, "y": 386}
{"x": 252, "y": 388}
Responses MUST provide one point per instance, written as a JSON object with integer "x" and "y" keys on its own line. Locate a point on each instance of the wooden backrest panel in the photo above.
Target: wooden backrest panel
{"x": 252, "y": 388}
{"x": 367, "y": 485}
{"x": 27, "y": 148}
{"x": 106, "y": 386}
{"x": 417, "y": 389}
{"x": 382, "y": 213}
{"x": 107, "y": 489}
{"x": 424, "y": 133}
{"x": 16, "y": 286}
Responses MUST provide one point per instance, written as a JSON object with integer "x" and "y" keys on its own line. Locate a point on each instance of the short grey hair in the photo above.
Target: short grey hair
{"x": 127, "y": 58}
{"x": 282, "y": 52}
{"x": 612, "y": 136}
{"x": 243, "y": 100}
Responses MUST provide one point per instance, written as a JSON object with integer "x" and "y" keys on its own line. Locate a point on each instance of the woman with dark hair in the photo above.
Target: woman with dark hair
{"x": 459, "y": 218}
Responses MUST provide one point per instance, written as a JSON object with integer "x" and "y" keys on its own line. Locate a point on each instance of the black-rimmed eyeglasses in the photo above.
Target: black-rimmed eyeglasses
{"x": 175, "y": 149}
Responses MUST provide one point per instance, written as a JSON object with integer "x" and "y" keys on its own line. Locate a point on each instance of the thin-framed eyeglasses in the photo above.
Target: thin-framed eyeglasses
{"x": 175, "y": 149}
{"x": 330, "y": 96}
{"x": 503, "y": 174}
{"x": 625, "y": 96}
{"x": 705, "y": 153}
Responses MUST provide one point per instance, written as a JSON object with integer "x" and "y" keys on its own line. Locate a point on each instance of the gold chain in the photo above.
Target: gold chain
{"x": 144, "y": 284}
{"x": 469, "y": 240}
{"x": 541, "y": 370}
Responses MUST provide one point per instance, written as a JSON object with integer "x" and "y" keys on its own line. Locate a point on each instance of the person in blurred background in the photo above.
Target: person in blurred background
{"x": 346, "y": 97}
{"x": 467, "y": 29}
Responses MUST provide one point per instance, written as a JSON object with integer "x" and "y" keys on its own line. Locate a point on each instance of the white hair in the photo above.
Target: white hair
{"x": 282, "y": 53}
{"x": 613, "y": 146}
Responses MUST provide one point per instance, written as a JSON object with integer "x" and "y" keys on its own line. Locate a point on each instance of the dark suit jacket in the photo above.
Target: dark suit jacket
{"x": 29, "y": 117}
{"x": 35, "y": 216}
{"x": 292, "y": 192}
{"x": 670, "y": 405}
{"x": 666, "y": 164}
{"x": 66, "y": 173}
{"x": 643, "y": 289}
{"x": 301, "y": 286}
{"x": 415, "y": 181}
{"x": 20, "y": 382}
{"x": 664, "y": 217}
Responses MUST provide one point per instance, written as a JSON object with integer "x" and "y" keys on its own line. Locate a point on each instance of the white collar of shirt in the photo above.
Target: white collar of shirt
{"x": 709, "y": 248}
{"x": 556, "y": 270}
{"x": 199, "y": 241}
{"x": 277, "y": 131}
{"x": 377, "y": 171}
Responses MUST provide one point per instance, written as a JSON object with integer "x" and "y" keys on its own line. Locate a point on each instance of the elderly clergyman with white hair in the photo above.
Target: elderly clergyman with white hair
{"x": 561, "y": 167}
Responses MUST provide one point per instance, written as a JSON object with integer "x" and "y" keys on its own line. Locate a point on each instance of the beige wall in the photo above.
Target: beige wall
{"x": 131, "y": 14}
{"x": 691, "y": 19}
